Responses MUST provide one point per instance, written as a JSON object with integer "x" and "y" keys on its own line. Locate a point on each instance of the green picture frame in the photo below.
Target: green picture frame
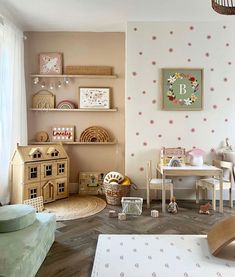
{"x": 182, "y": 89}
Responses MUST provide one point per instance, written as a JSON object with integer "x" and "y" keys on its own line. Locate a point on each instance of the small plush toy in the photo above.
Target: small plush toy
{"x": 204, "y": 209}
{"x": 173, "y": 207}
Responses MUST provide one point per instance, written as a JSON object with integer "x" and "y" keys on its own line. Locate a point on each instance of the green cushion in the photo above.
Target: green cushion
{"x": 16, "y": 217}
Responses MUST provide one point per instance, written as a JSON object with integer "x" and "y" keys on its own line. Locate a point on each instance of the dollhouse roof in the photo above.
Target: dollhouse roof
{"x": 25, "y": 153}
{"x": 34, "y": 151}
{"x": 51, "y": 150}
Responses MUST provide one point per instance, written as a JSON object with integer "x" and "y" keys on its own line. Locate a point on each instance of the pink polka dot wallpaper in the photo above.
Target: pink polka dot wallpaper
{"x": 152, "y": 46}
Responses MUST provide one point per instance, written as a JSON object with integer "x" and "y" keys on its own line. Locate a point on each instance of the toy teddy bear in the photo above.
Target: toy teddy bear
{"x": 173, "y": 207}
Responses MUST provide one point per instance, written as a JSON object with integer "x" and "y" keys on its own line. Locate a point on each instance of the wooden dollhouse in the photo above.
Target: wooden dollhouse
{"x": 167, "y": 154}
{"x": 39, "y": 170}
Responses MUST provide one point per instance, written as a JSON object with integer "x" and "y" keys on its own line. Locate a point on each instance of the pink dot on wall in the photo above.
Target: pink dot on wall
{"x": 207, "y": 54}
{"x": 140, "y": 53}
{"x": 227, "y": 44}
{"x": 189, "y": 44}
{"x": 129, "y": 98}
{"x": 212, "y": 69}
{"x": 159, "y": 135}
{"x": 179, "y": 138}
{"x": 212, "y": 150}
{"x": 189, "y": 60}
{"x": 204, "y": 119}
{"x": 193, "y": 130}
{"x": 154, "y": 81}
{"x": 144, "y": 92}
{"x": 134, "y": 73}
{"x": 212, "y": 89}
{"x": 151, "y": 121}
{"x": 226, "y": 120}
{"x": 191, "y": 28}
{"x": 141, "y": 169}
{"x": 228, "y": 99}
{"x": 224, "y": 27}
{"x": 135, "y": 29}
{"x": 208, "y": 36}
{"x": 229, "y": 63}
{"x": 132, "y": 154}
{"x": 215, "y": 107}
{"x": 139, "y": 113}
{"x": 171, "y": 32}
{"x": 212, "y": 131}
{"x": 186, "y": 116}
{"x": 145, "y": 143}
{"x": 154, "y": 37}
{"x": 154, "y": 101}
{"x": 225, "y": 79}
{"x": 170, "y": 49}
{"x": 153, "y": 63}
{"x": 171, "y": 121}
{"x": 137, "y": 133}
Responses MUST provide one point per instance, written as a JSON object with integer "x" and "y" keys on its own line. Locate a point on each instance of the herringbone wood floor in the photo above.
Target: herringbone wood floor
{"x": 73, "y": 251}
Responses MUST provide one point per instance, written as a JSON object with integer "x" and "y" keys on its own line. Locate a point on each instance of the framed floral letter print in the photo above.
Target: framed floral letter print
{"x": 182, "y": 89}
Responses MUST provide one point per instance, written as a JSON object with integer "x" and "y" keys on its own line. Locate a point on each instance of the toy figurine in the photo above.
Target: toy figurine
{"x": 204, "y": 209}
{"x": 173, "y": 207}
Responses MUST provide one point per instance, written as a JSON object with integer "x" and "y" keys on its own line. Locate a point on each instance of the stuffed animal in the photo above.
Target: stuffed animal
{"x": 204, "y": 209}
{"x": 173, "y": 207}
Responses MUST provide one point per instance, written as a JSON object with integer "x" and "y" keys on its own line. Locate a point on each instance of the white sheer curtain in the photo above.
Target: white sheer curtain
{"x": 13, "y": 118}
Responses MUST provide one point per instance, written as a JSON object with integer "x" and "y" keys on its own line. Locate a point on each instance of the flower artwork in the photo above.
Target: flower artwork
{"x": 96, "y": 98}
{"x": 182, "y": 89}
{"x": 50, "y": 63}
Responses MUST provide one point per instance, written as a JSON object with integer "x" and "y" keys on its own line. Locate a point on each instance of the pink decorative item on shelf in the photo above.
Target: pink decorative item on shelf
{"x": 196, "y": 156}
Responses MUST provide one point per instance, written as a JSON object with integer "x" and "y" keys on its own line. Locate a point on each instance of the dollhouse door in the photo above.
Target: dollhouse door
{"x": 48, "y": 192}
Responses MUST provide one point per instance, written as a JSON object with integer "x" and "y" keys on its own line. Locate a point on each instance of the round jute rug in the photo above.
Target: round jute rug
{"x": 75, "y": 207}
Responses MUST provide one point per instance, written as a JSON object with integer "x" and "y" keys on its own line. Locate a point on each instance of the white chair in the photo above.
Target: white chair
{"x": 156, "y": 183}
{"x": 214, "y": 183}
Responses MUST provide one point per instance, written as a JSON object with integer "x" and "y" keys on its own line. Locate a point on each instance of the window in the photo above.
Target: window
{"x": 37, "y": 155}
{"x": 60, "y": 187}
{"x": 61, "y": 168}
{"x": 33, "y": 172}
{"x": 48, "y": 170}
{"x": 33, "y": 193}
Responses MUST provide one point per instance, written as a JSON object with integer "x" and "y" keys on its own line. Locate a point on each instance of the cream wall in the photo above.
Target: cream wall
{"x": 153, "y": 46}
{"x": 82, "y": 49}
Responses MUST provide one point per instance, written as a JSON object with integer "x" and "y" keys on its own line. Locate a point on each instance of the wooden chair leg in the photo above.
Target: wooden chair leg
{"x": 171, "y": 192}
{"x": 197, "y": 192}
{"x": 214, "y": 199}
{"x": 231, "y": 198}
{"x": 148, "y": 197}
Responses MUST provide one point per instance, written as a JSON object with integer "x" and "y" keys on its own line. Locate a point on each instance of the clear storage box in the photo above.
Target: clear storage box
{"x": 132, "y": 205}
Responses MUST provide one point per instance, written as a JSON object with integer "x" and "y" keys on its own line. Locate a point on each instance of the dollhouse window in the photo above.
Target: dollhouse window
{"x": 61, "y": 168}
{"x": 61, "y": 187}
{"x": 37, "y": 155}
{"x": 33, "y": 193}
{"x": 55, "y": 153}
{"x": 48, "y": 170}
{"x": 33, "y": 172}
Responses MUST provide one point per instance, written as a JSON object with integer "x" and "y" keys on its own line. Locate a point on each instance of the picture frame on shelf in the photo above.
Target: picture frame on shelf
{"x": 50, "y": 63}
{"x": 182, "y": 89}
{"x": 94, "y": 97}
{"x": 62, "y": 133}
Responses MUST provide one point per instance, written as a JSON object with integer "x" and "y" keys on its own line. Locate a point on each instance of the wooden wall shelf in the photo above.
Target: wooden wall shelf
{"x": 72, "y": 143}
{"x": 74, "y": 110}
{"x": 76, "y": 76}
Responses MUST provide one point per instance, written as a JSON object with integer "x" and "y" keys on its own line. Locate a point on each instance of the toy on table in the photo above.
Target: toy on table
{"x": 173, "y": 207}
{"x": 196, "y": 156}
{"x": 204, "y": 209}
{"x": 167, "y": 154}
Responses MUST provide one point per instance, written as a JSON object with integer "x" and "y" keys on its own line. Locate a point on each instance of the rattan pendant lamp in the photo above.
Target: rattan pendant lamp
{"x": 226, "y": 7}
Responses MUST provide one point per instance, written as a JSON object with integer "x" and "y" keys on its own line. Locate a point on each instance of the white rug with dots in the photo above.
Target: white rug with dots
{"x": 160, "y": 256}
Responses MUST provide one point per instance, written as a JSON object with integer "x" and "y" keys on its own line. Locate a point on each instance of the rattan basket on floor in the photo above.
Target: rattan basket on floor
{"x": 115, "y": 192}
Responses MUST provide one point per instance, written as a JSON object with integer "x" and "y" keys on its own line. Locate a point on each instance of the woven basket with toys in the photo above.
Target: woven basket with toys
{"x": 116, "y": 186}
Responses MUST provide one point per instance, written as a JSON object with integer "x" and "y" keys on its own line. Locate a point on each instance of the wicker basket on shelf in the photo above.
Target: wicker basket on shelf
{"x": 115, "y": 192}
